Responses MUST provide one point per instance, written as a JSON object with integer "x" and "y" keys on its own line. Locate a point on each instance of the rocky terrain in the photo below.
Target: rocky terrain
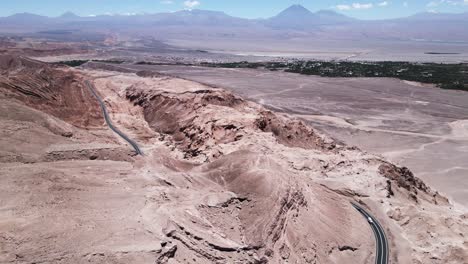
{"x": 56, "y": 92}
{"x": 223, "y": 180}
{"x": 415, "y": 125}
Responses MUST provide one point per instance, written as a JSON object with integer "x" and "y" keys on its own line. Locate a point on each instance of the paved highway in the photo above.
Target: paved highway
{"x": 382, "y": 254}
{"x": 109, "y": 122}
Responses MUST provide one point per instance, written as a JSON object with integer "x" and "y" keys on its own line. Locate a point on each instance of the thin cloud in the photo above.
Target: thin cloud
{"x": 190, "y": 4}
{"x": 355, "y": 6}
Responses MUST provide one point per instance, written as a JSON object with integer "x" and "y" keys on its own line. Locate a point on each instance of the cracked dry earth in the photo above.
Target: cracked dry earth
{"x": 223, "y": 180}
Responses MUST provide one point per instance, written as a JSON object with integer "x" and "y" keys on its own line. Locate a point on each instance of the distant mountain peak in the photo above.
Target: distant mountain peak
{"x": 293, "y": 17}
{"x": 296, "y": 10}
{"x": 69, "y": 14}
{"x": 300, "y": 18}
{"x": 297, "y": 7}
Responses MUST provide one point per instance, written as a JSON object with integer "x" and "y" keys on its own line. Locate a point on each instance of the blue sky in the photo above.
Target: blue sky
{"x": 364, "y": 9}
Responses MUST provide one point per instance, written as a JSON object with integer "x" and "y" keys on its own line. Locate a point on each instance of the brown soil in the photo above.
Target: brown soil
{"x": 55, "y": 91}
{"x": 222, "y": 181}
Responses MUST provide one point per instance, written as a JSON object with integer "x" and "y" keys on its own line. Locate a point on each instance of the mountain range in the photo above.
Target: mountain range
{"x": 295, "y": 21}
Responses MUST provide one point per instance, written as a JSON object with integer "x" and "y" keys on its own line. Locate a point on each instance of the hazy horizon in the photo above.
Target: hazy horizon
{"x": 366, "y": 10}
{"x": 215, "y": 131}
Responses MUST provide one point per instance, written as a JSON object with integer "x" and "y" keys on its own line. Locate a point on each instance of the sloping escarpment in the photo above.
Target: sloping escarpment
{"x": 404, "y": 178}
{"x": 273, "y": 216}
{"x": 292, "y": 133}
{"x": 58, "y": 92}
{"x": 262, "y": 215}
{"x": 199, "y": 120}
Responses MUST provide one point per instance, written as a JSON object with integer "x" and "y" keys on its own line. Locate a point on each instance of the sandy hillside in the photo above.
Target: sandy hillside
{"x": 222, "y": 180}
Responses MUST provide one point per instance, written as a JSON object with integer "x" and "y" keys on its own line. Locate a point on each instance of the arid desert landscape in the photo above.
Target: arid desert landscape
{"x": 162, "y": 138}
{"x": 404, "y": 122}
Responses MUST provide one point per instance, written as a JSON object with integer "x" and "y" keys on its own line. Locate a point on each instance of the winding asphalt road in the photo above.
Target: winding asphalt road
{"x": 382, "y": 253}
{"x": 109, "y": 122}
